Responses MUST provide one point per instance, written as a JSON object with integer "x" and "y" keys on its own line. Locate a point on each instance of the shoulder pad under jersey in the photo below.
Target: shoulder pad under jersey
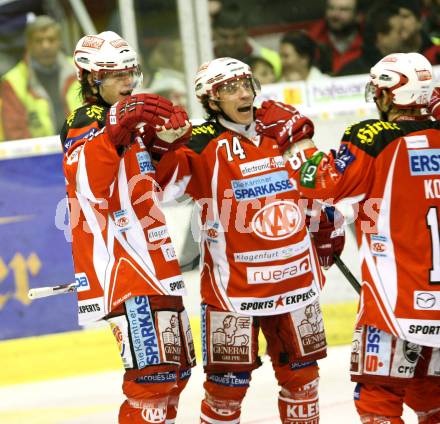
{"x": 81, "y": 123}
{"x": 373, "y": 135}
{"x": 203, "y": 134}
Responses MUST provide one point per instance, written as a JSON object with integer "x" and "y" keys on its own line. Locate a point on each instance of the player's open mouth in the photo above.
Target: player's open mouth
{"x": 244, "y": 109}
{"x": 126, "y": 93}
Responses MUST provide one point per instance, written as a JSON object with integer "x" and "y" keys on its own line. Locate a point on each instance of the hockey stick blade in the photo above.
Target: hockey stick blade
{"x": 347, "y": 273}
{"x": 40, "y": 292}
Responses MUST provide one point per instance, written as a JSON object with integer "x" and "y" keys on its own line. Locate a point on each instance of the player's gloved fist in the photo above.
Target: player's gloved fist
{"x": 283, "y": 122}
{"x": 172, "y": 134}
{"x": 434, "y": 104}
{"x": 329, "y": 240}
{"x": 126, "y": 116}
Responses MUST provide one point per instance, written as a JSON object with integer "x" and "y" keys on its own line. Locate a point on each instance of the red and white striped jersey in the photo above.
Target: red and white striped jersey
{"x": 393, "y": 170}
{"x": 257, "y": 256}
{"x": 120, "y": 242}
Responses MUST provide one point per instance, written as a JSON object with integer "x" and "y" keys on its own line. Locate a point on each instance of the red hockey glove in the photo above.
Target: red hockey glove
{"x": 283, "y": 122}
{"x": 434, "y": 104}
{"x": 171, "y": 135}
{"x": 127, "y": 116}
{"x": 329, "y": 240}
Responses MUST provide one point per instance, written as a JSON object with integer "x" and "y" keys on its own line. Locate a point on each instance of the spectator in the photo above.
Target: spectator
{"x": 41, "y": 89}
{"x": 14, "y": 16}
{"x": 298, "y": 52}
{"x": 340, "y": 33}
{"x": 262, "y": 70}
{"x": 231, "y": 39}
{"x": 431, "y": 21}
{"x": 384, "y": 35}
{"x": 415, "y": 39}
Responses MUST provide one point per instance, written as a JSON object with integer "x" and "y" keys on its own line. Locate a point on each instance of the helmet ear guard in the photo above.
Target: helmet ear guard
{"x": 407, "y": 76}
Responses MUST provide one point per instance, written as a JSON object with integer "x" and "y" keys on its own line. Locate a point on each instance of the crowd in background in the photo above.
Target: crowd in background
{"x": 281, "y": 42}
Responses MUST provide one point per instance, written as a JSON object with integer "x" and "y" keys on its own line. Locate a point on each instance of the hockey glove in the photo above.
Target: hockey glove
{"x": 434, "y": 104}
{"x": 329, "y": 240}
{"x": 127, "y": 116}
{"x": 172, "y": 134}
{"x": 283, "y": 122}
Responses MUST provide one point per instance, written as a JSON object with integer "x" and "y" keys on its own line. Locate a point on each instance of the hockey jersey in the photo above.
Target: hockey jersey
{"x": 256, "y": 254}
{"x": 120, "y": 242}
{"x": 393, "y": 170}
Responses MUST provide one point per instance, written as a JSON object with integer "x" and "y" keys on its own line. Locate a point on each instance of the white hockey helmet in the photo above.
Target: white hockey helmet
{"x": 103, "y": 53}
{"x": 213, "y": 74}
{"x": 408, "y": 76}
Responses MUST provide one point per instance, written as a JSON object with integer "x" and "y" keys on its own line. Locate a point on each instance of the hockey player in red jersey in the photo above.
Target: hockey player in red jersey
{"x": 259, "y": 268}
{"x": 123, "y": 257}
{"x": 391, "y": 166}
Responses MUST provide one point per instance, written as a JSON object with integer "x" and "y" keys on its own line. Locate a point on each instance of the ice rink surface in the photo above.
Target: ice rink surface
{"x": 95, "y": 399}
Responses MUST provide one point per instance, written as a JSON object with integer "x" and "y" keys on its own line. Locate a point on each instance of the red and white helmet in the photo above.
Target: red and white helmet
{"x": 105, "y": 52}
{"x": 408, "y": 76}
{"x": 218, "y": 71}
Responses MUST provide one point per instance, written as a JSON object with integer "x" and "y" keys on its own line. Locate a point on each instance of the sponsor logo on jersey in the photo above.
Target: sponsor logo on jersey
{"x": 277, "y": 220}
{"x": 231, "y": 338}
{"x": 154, "y": 415}
{"x": 278, "y": 273}
{"x": 145, "y": 164}
{"x": 261, "y": 165}
{"x": 71, "y": 140}
{"x": 184, "y": 374}
{"x": 168, "y": 252}
{"x": 343, "y": 158}
{"x": 85, "y": 308}
{"x": 427, "y": 300}
{"x": 405, "y": 358}
{"x": 119, "y": 338}
{"x": 158, "y": 233}
{"x": 143, "y": 332}
{"x": 174, "y": 283}
{"x": 309, "y": 327}
{"x": 300, "y": 365}
{"x": 257, "y": 305}
{"x": 432, "y": 188}
{"x": 119, "y": 327}
{"x": 169, "y": 328}
{"x": 306, "y": 411}
{"x": 160, "y": 377}
{"x": 356, "y": 352}
{"x": 416, "y": 142}
{"x": 122, "y": 220}
{"x": 377, "y": 352}
{"x": 238, "y": 379}
{"x": 262, "y": 186}
{"x": 203, "y": 335}
{"x": 424, "y": 329}
{"x": 211, "y": 230}
{"x": 424, "y": 162}
{"x": 367, "y": 133}
{"x": 378, "y": 245}
{"x": 294, "y": 298}
{"x": 286, "y": 252}
{"x": 82, "y": 282}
